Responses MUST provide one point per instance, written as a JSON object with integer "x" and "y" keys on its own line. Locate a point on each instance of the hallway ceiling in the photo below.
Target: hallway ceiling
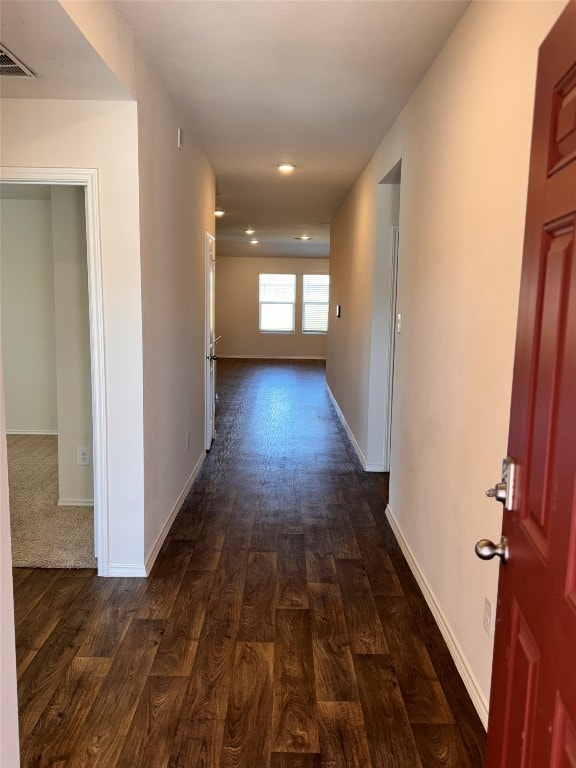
{"x": 314, "y": 82}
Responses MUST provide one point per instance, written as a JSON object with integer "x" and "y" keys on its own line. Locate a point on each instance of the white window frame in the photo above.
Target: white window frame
{"x": 279, "y": 302}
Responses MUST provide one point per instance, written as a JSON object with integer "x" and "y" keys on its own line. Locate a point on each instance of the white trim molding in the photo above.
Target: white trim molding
{"x": 87, "y": 178}
{"x": 132, "y": 570}
{"x": 151, "y": 558}
{"x": 32, "y": 432}
{"x": 468, "y": 677}
{"x": 75, "y": 502}
{"x": 368, "y": 467}
{"x": 269, "y": 357}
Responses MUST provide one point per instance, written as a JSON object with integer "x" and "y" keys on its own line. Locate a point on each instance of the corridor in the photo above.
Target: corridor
{"x": 280, "y": 627}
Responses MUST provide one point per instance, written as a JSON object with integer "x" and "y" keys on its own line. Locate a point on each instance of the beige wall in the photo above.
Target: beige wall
{"x": 28, "y": 315}
{"x": 464, "y": 140}
{"x": 75, "y": 483}
{"x": 237, "y": 309}
{"x": 102, "y": 135}
{"x": 176, "y": 207}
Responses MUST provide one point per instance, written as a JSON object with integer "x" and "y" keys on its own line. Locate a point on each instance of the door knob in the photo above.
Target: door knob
{"x": 486, "y": 549}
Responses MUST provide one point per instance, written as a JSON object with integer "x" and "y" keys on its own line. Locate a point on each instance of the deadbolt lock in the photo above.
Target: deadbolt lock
{"x": 504, "y": 491}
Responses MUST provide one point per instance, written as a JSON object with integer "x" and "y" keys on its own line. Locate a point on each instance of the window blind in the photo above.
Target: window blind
{"x": 315, "y": 297}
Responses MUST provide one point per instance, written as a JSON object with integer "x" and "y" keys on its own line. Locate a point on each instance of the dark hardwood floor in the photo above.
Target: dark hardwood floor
{"x": 280, "y": 627}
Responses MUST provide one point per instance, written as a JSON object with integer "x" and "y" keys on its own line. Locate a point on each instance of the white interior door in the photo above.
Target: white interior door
{"x": 210, "y": 339}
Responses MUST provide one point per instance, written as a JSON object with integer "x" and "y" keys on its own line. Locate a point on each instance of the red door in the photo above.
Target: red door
{"x": 532, "y": 720}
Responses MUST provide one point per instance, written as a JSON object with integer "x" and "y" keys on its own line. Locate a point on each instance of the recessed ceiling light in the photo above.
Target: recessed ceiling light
{"x": 303, "y": 237}
{"x": 219, "y": 212}
{"x": 286, "y": 168}
{"x": 250, "y": 231}
{"x": 254, "y": 242}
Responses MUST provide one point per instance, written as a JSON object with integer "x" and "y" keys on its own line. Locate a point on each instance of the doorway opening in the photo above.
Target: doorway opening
{"x": 385, "y": 323}
{"x": 52, "y": 337}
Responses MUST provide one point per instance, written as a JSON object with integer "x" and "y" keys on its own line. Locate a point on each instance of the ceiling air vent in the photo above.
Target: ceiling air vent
{"x": 11, "y": 67}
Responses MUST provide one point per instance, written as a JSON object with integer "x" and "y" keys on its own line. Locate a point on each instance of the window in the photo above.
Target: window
{"x": 315, "y": 303}
{"x": 277, "y": 298}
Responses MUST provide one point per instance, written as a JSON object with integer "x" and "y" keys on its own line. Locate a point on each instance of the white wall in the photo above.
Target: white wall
{"x": 176, "y": 202}
{"x": 237, "y": 308}
{"x": 74, "y": 390}
{"x": 102, "y": 135}
{"x": 464, "y": 141}
{"x": 27, "y": 306}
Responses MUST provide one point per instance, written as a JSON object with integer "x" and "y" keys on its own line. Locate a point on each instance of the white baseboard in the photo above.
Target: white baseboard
{"x": 468, "y": 677}
{"x": 270, "y": 357}
{"x": 369, "y": 467}
{"x": 175, "y": 509}
{"x": 75, "y": 502}
{"x": 127, "y": 569}
{"x": 31, "y": 431}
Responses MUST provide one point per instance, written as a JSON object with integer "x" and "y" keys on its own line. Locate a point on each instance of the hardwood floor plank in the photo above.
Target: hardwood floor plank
{"x": 50, "y": 663}
{"x": 228, "y": 586}
{"x": 313, "y": 510}
{"x": 164, "y": 581}
{"x": 258, "y": 604}
{"x": 341, "y": 532}
{"x": 320, "y": 568}
{"x": 151, "y": 734}
{"x": 390, "y": 738}
{"x": 295, "y": 724}
{"x": 198, "y": 744}
{"x": 440, "y": 746}
{"x": 471, "y": 730}
{"x": 264, "y": 537}
{"x": 333, "y": 668}
{"x": 178, "y": 646}
{"x": 292, "y": 521}
{"x": 247, "y": 731}
{"x": 423, "y": 696}
{"x": 210, "y": 679}
{"x": 108, "y": 721}
{"x": 364, "y": 628}
{"x": 316, "y": 537}
{"x": 112, "y": 622}
{"x": 342, "y": 735}
{"x": 63, "y": 719}
{"x": 30, "y": 592}
{"x": 379, "y": 567}
{"x": 358, "y": 510}
{"x": 37, "y": 626}
{"x": 19, "y": 575}
{"x": 294, "y": 760}
{"x": 291, "y": 583}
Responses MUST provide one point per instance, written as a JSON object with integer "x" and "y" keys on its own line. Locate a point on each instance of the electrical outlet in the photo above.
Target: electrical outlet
{"x": 487, "y": 620}
{"x": 250, "y": 342}
{"x": 83, "y": 456}
{"x": 187, "y": 441}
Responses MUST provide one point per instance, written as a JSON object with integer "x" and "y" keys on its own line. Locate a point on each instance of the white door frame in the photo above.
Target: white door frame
{"x": 392, "y": 343}
{"x": 87, "y": 178}
{"x": 209, "y": 346}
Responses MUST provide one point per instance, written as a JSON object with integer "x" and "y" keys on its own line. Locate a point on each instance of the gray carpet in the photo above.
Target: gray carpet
{"x": 44, "y": 535}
